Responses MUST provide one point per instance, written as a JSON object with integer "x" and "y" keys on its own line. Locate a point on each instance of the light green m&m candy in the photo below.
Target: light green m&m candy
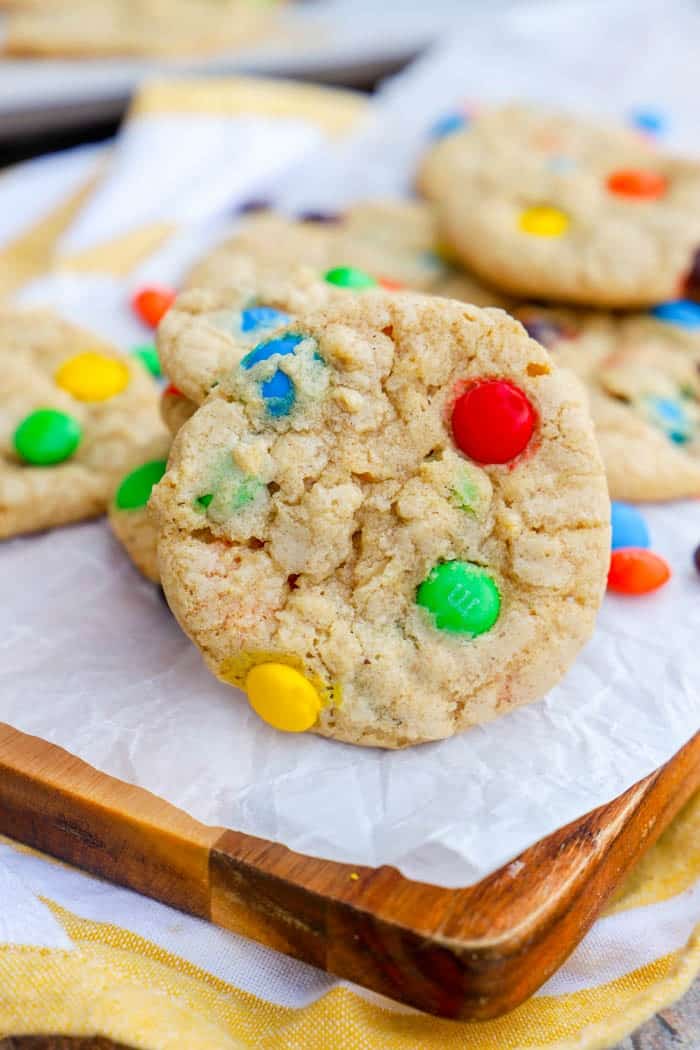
{"x": 47, "y": 437}
{"x": 135, "y": 489}
{"x": 148, "y": 356}
{"x": 460, "y": 597}
{"x": 349, "y": 277}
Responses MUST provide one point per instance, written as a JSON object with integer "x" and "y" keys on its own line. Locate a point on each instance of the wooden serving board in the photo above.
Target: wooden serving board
{"x": 469, "y": 953}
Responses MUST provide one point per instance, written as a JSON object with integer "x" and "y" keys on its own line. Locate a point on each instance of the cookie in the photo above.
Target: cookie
{"x": 128, "y": 513}
{"x": 388, "y": 522}
{"x": 75, "y": 415}
{"x": 86, "y": 28}
{"x": 395, "y": 242}
{"x": 642, "y": 375}
{"x": 175, "y": 408}
{"x": 560, "y": 209}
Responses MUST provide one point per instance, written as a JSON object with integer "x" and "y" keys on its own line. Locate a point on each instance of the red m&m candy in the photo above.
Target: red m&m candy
{"x": 634, "y": 570}
{"x": 492, "y": 421}
{"x": 172, "y": 391}
{"x": 644, "y": 185}
{"x": 151, "y": 304}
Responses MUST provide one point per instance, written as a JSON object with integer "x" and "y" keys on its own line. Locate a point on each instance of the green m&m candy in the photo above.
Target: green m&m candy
{"x": 148, "y": 356}
{"x": 460, "y": 597}
{"x": 349, "y": 277}
{"x": 47, "y": 437}
{"x": 135, "y": 489}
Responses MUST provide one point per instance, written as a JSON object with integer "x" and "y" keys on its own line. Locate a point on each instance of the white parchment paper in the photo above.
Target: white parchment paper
{"x": 91, "y": 659}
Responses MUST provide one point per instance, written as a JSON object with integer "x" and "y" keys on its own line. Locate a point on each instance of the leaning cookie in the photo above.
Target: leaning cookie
{"x": 388, "y": 522}
{"x": 584, "y": 217}
{"x": 641, "y": 372}
{"x": 74, "y": 416}
{"x": 128, "y": 513}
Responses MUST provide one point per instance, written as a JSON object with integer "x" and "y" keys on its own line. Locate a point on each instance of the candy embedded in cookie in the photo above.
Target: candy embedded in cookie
{"x": 76, "y": 415}
{"x": 407, "y": 538}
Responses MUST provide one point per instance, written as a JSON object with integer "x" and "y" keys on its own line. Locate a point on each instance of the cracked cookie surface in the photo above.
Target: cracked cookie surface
{"x": 392, "y": 514}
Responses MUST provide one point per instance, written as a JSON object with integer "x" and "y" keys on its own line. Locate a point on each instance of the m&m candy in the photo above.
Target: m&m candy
{"x": 283, "y": 697}
{"x": 278, "y": 390}
{"x": 650, "y": 121}
{"x": 629, "y": 528}
{"x": 634, "y": 570}
{"x": 324, "y": 217}
{"x": 492, "y": 421}
{"x": 461, "y": 597}
{"x": 47, "y": 437}
{"x": 683, "y": 312}
{"x": 349, "y": 277}
{"x": 135, "y": 489}
{"x": 448, "y": 124}
{"x": 544, "y": 221}
{"x": 148, "y": 356}
{"x": 92, "y": 377}
{"x": 637, "y": 184}
{"x": 152, "y": 303}
{"x": 258, "y": 317}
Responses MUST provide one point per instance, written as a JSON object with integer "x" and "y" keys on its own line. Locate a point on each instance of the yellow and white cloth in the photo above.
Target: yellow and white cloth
{"x": 80, "y": 957}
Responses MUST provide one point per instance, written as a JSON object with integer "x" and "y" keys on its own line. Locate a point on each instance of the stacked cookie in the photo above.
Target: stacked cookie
{"x": 554, "y": 209}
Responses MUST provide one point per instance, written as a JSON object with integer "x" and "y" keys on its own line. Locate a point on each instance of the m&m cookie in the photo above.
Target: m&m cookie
{"x": 75, "y": 415}
{"x": 553, "y": 207}
{"x": 388, "y": 521}
{"x": 642, "y": 376}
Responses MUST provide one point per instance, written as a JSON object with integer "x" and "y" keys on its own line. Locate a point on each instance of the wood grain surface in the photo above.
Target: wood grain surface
{"x": 464, "y": 953}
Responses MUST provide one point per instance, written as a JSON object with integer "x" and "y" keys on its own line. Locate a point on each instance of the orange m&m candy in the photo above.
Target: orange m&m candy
{"x": 151, "y": 304}
{"x": 634, "y": 570}
{"x": 632, "y": 182}
{"x": 390, "y": 285}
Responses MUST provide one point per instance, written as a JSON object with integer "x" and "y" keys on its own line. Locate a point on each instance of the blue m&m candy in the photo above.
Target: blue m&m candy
{"x": 683, "y": 312}
{"x": 629, "y": 528}
{"x": 283, "y": 345}
{"x": 650, "y": 121}
{"x": 670, "y": 416}
{"x": 278, "y": 391}
{"x": 449, "y": 124}
{"x": 257, "y": 317}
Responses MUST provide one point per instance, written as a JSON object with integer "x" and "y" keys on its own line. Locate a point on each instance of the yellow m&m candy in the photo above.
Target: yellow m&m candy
{"x": 92, "y": 377}
{"x": 282, "y": 697}
{"x": 544, "y": 221}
